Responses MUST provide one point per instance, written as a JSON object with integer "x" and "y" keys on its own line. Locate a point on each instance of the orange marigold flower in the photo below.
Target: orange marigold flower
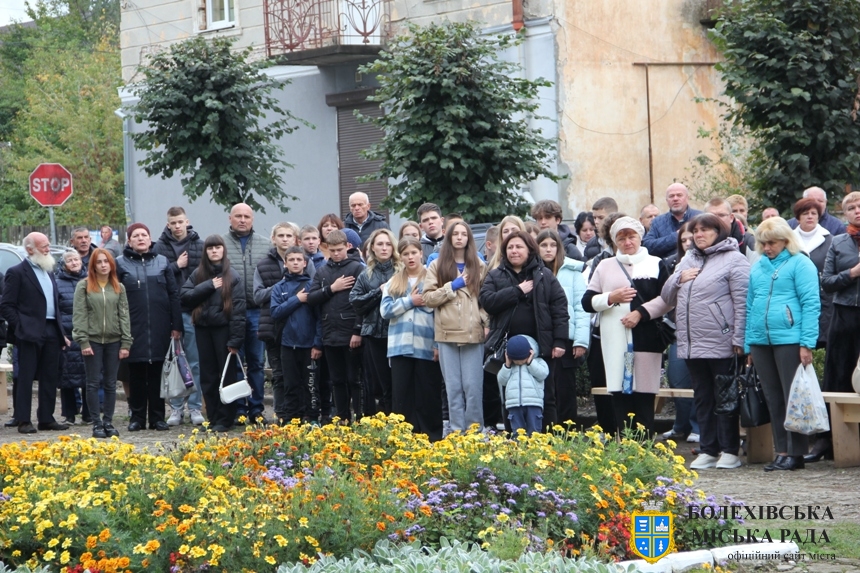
{"x": 380, "y": 526}
{"x": 92, "y": 541}
{"x": 409, "y": 515}
{"x": 425, "y": 509}
{"x": 104, "y": 535}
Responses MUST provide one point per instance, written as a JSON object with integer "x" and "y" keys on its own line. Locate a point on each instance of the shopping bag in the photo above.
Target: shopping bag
{"x": 182, "y": 362}
{"x": 236, "y": 390}
{"x": 805, "y": 412}
{"x": 754, "y": 412}
{"x": 728, "y": 390}
{"x": 627, "y": 382}
{"x": 172, "y": 382}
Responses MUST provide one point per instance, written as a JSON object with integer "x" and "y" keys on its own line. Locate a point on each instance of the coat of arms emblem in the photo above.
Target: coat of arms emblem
{"x": 652, "y": 534}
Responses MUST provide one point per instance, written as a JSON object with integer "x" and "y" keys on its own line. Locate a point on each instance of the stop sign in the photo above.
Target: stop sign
{"x": 50, "y": 184}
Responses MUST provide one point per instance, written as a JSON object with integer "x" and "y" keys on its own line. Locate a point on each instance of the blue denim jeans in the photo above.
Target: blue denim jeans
{"x": 685, "y": 408}
{"x": 252, "y": 354}
{"x": 189, "y": 346}
{"x": 529, "y": 418}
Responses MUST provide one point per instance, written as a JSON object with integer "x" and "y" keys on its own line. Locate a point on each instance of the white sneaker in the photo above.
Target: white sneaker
{"x": 196, "y": 417}
{"x": 693, "y": 438}
{"x": 704, "y": 462}
{"x": 728, "y": 462}
{"x": 175, "y": 417}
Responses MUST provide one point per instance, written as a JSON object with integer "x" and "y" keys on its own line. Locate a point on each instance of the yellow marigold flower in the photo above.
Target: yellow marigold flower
{"x": 49, "y": 555}
{"x": 53, "y": 542}
{"x": 197, "y": 552}
{"x": 183, "y": 549}
{"x": 303, "y": 522}
{"x": 65, "y": 557}
{"x": 503, "y": 517}
{"x": 270, "y": 560}
{"x": 16, "y": 553}
{"x": 281, "y": 540}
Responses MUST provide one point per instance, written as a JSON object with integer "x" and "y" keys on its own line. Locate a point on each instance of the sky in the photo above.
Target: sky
{"x": 12, "y": 10}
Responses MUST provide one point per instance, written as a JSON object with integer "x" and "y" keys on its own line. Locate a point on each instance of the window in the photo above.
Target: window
{"x": 220, "y": 14}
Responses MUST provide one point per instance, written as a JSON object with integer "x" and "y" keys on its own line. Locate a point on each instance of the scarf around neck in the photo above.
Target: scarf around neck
{"x": 854, "y": 231}
{"x": 811, "y": 240}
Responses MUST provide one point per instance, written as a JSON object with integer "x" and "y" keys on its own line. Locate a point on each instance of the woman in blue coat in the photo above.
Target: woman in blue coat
{"x": 782, "y": 328}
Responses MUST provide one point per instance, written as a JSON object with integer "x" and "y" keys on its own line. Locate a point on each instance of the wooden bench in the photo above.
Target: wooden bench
{"x": 4, "y": 391}
{"x": 845, "y": 427}
{"x": 759, "y": 444}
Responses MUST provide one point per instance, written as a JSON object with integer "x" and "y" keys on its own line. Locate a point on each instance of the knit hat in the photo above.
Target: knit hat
{"x": 352, "y": 237}
{"x": 626, "y": 223}
{"x": 134, "y": 227}
{"x": 518, "y": 347}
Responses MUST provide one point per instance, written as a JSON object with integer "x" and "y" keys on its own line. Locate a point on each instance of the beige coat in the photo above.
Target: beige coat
{"x": 458, "y": 318}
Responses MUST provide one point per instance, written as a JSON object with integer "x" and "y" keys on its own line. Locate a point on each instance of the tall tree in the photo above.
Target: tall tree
{"x": 204, "y": 109}
{"x": 793, "y": 69}
{"x": 456, "y": 127}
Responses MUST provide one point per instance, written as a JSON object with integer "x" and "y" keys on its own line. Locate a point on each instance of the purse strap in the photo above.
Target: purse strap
{"x": 170, "y": 352}
{"x": 227, "y": 364}
{"x": 630, "y": 280}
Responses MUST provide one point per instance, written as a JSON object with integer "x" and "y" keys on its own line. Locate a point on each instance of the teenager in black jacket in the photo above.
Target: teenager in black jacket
{"x": 341, "y": 328}
{"x": 215, "y": 293}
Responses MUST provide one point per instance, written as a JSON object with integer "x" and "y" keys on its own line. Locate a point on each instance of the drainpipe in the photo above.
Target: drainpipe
{"x": 517, "y": 22}
{"x": 126, "y": 163}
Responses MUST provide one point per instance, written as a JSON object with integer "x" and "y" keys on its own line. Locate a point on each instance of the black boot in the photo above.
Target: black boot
{"x": 823, "y": 448}
{"x": 99, "y": 431}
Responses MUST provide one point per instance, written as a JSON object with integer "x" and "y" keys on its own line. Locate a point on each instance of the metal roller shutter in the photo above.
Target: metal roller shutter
{"x": 353, "y": 137}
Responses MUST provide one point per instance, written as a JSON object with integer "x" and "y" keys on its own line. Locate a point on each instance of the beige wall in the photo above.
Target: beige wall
{"x": 602, "y": 97}
{"x": 149, "y": 25}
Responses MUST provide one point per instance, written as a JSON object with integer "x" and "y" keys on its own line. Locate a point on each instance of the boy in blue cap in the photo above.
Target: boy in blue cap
{"x": 523, "y": 378}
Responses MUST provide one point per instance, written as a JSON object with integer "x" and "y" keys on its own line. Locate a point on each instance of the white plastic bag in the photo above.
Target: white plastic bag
{"x": 805, "y": 412}
{"x": 855, "y": 378}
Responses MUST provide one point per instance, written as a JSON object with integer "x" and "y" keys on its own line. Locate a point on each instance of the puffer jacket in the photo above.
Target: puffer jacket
{"x": 101, "y": 317}
{"x": 212, "y": 313}
{"x": 339, "y": 321}
{"x": 365, "y": 297}
{"x": 458, "y": 313}
{"x": 302, "y": 326}
{"x": 710, "y": 311}
{"x": 373, "y": 222}
{"x": 569, "y": 241}
{"x": 168, "y": 246}
{"x": 153, "y": 303}
{"x": 524, "y": 383}
{"x": 500, "y": 293}
{"x": 783, "y": 302}
{"x": 573, "y": 283}
{"x": 245, "y": 262}
{"x": 72, "y": 373}
{"x": 268, "y": 273}
{"x": 836, "y": 278}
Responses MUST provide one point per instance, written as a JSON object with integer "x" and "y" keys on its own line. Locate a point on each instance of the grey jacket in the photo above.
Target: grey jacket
{"x": 245, "y": 262}
{"x": 842, "y": 256}
{"x": 710, "y": 310}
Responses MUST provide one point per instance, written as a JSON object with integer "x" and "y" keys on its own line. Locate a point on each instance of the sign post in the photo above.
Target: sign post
{"x": 51, "y": 186}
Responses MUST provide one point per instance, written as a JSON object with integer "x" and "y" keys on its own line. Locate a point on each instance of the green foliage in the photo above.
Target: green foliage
{"x": 792, "y": 69}
{"x": 59, "y": 81}
{"x": 452, "y": 557}
{"x": 457, "y": 123}
{"x": 204, "y": 108}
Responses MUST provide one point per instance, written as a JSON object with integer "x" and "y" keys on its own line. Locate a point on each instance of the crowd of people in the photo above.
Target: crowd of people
{"x": 353, "y": 319}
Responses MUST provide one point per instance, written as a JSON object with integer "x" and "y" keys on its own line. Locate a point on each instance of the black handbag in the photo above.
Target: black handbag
{"x": 665, "y": 327}
{"x": 495, "y": 350}
{"x": 728, "y": 390}
{"x": 753, "y": 407}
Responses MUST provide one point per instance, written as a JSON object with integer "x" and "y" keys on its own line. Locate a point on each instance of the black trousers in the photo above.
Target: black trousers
{"x": 344, "y": 367}
{"x": 212, "y": 349}
{"x": 273, "y": 355}
{"x": 717, "y": 434}
{"x": 640, "y": 404}
{"x": 376, "y": 356}
{"x": 38, "y": 361}
{"x": 492, "y": 398}
{"x": 298, "y": 399}
{"x": 565, "y": 386}
{"x": 603, "y": 405}
{"x": 843, "y": 347}
{"x": 416, "y": 393}
{"x": 144, "y": 382}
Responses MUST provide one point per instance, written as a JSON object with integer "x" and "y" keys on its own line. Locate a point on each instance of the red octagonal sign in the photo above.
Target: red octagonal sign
{"x": 51, "y": 184}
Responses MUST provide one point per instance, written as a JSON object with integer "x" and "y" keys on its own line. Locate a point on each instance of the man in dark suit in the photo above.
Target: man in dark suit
{"x": 31, "y": 307}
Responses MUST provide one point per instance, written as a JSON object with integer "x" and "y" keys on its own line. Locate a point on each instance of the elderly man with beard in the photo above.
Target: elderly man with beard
{"x": 31, "y": 306}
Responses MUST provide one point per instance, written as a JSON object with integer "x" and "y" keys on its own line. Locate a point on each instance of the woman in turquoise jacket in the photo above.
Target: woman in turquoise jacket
{"x": 782, "y": 328}
{"x": 569, "y": 274}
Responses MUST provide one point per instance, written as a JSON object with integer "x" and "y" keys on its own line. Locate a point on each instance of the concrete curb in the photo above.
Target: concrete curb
{"x": 686, "y": 560}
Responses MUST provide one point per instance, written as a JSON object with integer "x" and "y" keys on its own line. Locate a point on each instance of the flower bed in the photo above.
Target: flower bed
{"x": 285, "y": 495}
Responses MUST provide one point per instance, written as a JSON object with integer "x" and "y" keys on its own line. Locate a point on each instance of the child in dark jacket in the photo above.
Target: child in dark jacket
{"x": 341, "y": 328}
{"x": 523, "y": 378}
{"x": 301, "y": 341}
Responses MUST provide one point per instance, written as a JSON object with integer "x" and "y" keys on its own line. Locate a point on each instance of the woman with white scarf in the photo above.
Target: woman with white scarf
{"x": 815, "y": 241}
{"x": 625, "y": 290}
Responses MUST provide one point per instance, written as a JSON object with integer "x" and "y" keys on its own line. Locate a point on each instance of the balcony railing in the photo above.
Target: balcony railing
{"x": 325, "y": 31}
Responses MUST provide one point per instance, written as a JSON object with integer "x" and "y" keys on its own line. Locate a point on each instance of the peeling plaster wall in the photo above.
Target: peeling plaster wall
{"x": 602, "y": 97}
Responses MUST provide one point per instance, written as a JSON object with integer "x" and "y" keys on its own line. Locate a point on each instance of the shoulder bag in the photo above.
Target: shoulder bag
{"x": 728, "y": 388}
{"x": 664, "y": 325}
{"x": 753, "y": 408}
{"x": 236, "y": 390}
{"x": 495, "y": 350}
{"x": 172, "y": 381}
